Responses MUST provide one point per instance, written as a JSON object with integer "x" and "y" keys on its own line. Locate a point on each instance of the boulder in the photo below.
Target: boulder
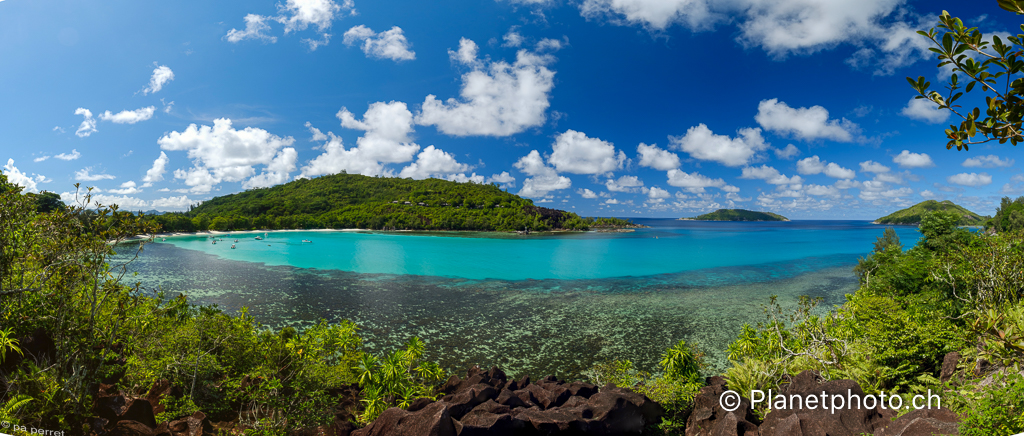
{"x": 510, "y": 399}
{"x": 949, "y": 364}
{"x": 419, "y": 403}
{"x": 923, "y": 422}
{"x": 488, "y": 424}
{"x": 433, "y": 420}
{"x": 851, "y": 419}
{"x": 710, "y": 418}
{"x": 156, "y": 393}
{"x": 139, "y": 410}
{"x": 463, "y": 401}
{"x": 622, "y": 411}
{"x": 132, "y": 428}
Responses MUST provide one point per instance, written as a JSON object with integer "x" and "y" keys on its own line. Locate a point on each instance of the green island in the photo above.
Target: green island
{"x": 907, "y": 330}
{"x": 914, "y": 214}
{"x": 350, "y": 201}
{"x": 738, "y": 215}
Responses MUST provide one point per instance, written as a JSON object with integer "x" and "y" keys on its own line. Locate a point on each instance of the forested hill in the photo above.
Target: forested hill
{"x": 354, "y": 201}
{"x": 738, "y": 215}
{"x": 913, "y": 214}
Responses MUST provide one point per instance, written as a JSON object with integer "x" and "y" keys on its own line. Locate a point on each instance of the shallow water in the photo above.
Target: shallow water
{"x": 564, "y": 323}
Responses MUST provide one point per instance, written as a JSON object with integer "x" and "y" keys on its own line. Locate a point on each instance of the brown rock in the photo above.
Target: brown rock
{"x": 709, "y": 418}
{"x": 433, "y": 420}
{"x": 923, "y": 422}
{"x": 848, "y": 420}
{"x": 491, "y": 406}
{"x": 462, "y": 402}
{"x": 510, "y": 399}
{"x": 622, "y": 411}
{"x": 419, "y": 403}
{"x": 139, "y": 410}
{"x": 949, "y": 364}
{"x": 132, "y": 428}
{"x": 489, "y": 424}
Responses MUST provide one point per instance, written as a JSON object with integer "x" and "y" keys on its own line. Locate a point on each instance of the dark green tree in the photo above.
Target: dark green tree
{"x": 994, "y": 66}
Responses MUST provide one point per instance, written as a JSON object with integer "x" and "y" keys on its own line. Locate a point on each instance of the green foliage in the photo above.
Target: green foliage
{"x": 1000, "y": 336}
{"x": 9, "y": 410}
{"x": 997, "y": 409}
{"x": 396, "y": 379}
{"x": 674, "y": 387}
{"x": 997, "y": 75}
{"x": 8, "y": 343}
{"x": 354, "y": 201}
{"x": 739, "y": 215}
{"x": 1009, "y": 217}
{"x": 915, "y": 214}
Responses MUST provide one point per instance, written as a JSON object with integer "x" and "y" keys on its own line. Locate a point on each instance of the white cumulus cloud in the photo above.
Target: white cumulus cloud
{"x": 543, "y": 178}
{"x": 814, "y": 165}
{"x": 970, "y": 179}
{"x": 88, "y": 126}
{"x": 129, "y": 117}
{"x": 433, "y": 162}
{"x": 156, "y": 172}
{"x": 497, "y": 98}
{"x": 769, "y": 175}
{"x": 15, "y": 176}
{"x": 787, "y": 153}
{"x": 870, "y": 166}
{"x": 256, "y": 27}
{"x": 989, "y": 161}
{"x": 84, "y": 176}
{"x": 803, "y": 123}
{"x": 906, "y": 159}
{"x": 924, "y": 110}
{"x": 653, "y": 157}
{"x": 624, "y": 184}
{"x": 574, "y": 152}
{"x": 223, "y": 153}
{"x": 388, "y": 128}
{"x": 161, "y": 75}
{"x": 69, "y": 156}
{"x": 701, "y": 143}
{"x": 390, "y": 44}
{"x": 693, "y": 182}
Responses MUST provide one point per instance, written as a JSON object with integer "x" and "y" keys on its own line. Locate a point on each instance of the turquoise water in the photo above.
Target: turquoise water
{"x": 532, "y": 305}
{"x": 669, "y": 246}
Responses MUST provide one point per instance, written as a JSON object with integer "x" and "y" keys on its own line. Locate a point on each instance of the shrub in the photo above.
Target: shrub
{"x": 997, "y": 409}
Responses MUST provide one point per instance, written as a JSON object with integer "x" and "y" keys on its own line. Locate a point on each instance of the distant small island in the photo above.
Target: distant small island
{"x": 913, "y": 214}
{"x": 738, "y": 215}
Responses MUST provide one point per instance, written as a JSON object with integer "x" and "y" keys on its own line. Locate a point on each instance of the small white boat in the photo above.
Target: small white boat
{"x": 307, "y": 240}
{"x": 232, "y": 246}
{"x": 259, "y": 238}
{"x": 214, "y": 242}
{"x": 236, "y": 241}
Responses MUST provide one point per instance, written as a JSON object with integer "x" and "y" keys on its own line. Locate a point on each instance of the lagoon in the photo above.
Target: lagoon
{"x": 538, "y": 304}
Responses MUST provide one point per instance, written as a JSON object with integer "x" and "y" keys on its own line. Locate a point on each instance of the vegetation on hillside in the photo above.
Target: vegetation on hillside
{"x": 1009, "y": 217}
{"x": 915, "y": 214}
{"x": 955, "y": 291}
{"x": 738, "y": 215}
{"x": 353, "y": 201}
{"x": 71, "y": 320}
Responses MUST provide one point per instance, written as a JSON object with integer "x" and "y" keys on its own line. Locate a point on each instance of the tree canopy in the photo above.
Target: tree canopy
{"x": 991, "y": 65}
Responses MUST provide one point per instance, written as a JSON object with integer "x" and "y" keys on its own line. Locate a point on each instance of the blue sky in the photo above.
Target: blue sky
{"x": 653, "y": 108}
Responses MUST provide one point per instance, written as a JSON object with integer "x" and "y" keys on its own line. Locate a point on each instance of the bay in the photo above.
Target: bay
{"x": 537, "y": 304}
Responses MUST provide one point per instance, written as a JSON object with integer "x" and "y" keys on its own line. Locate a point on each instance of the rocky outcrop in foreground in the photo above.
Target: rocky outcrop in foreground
{"x": 710, "y": 419}
{"x": 488, "y": 403}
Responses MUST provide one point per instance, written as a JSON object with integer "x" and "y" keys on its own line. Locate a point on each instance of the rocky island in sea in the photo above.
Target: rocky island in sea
{"x": 913, "y": 214}
{"x": 738, "y": 215}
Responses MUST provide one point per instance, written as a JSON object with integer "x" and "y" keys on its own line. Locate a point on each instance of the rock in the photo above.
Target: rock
{"x": 433, "y": 420}
{"x": 489, "y": 424}
{"x": 156, "y": 393}
{"x": 109, "y": 407}
{"x": 833, "y": 421}
{"x": 581, "y": 389}
{"x": 198, "y": 424}
{"x": 552, "y": 421}
{"x": 162, "y": 430}
{"x": 949, "y": 364}
{"x": 624, "y": 412}
{"x": 709, "y": 418}
{"x": 419, "y": 403}
{"x": 491, "y": 406}
{"x": 132, "y": 428}
{"x": 139, "y": 410}
{"x": 923, "y": 422}
{"x": 463, "y": 401}
{"x": 510, "y": 399}
{"x": 97, "y": 425}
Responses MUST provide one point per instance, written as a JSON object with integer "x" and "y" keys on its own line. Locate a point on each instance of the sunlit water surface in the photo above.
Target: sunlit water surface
{"x": 539, "y": 304}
